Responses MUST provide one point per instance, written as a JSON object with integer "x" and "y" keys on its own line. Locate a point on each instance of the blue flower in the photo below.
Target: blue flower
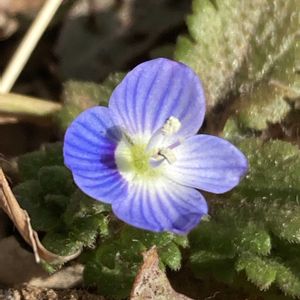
{"x": 141, "y": 153}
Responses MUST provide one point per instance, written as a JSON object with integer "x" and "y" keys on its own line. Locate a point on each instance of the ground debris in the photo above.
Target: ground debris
{"x": 152, "y": 283}
{"x": 35, "y": 293}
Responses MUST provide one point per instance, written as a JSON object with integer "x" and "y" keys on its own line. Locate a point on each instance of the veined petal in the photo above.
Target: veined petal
{"x": 208, "y": 163}
{"x": 161, "y": 205}
{"x": 89, "y": 148}
{"x": 153, "y": 92}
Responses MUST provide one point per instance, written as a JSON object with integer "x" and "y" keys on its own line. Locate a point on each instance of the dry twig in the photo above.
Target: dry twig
{"x": 21, "y": 220}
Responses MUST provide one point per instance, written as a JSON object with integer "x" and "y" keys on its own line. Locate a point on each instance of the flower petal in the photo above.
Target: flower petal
{"x": 153, "y": 92}
{"x": 161, "y": 206}
{"x": 89, "y": 147}
{"x": 208, "y": 163}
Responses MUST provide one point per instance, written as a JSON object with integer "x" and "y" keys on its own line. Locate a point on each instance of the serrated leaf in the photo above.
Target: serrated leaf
{"x": 206, "y": 263}
{"x": 146, "y": 237}
{"x": 258, "y": 220}
{"x": 118, "y": 258}
{"x": 202, "y": 257}
{"x": 288, "y": 280}
{"x": 271, "y": 190}
{"x": 106, "y": 279}
{"x": 266, "y": 104}
{"x": 243, "y": 48}
{"x": 171, "y": 256}
{"x": 181, "y": 240}
{"x": 30, "y": 196}
{"x": 253, "y": 239}
{"x": 54, "y": 154}
{"x": 61, "y": 243}
{"x": 79, "y": 96}
{"x": 60, "y": 201}
{"x": 258, "y": 270}
{"x": 30, "y": 163}
{"x": 211, "y": 236}
{"x": 114, "y": 265}
{"x": 283, "y": 220}
{"x": 274, "y": 167}
{"x": 82, "y": 206}
{"x": 56, "y": 180}
{"x": 86, "y": 230}
{"x": 289, "y": 80}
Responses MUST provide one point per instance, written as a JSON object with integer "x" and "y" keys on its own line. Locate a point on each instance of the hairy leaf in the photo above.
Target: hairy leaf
{"x": 253, "y": 226}
{"x": 246, "y": 49}
{"x": 79, "y": 96}
{"x": 258, "y": 270}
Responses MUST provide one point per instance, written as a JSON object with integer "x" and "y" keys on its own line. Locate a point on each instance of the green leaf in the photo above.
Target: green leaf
{"x": 206, "y": 263}
{"x": 57, "y": 200}
{"x": 274, "y": 167}
{"x": 87, "y": 229}
{"x": 288, "y": 281}
{"x": 253, "y": 239}
{"x": 148, "y": 238}
{"x": 283, "y": 219}
{"x": 30, "y": 196}
{"x": 61, "y": 244}
{"x": 56, "y": 180}
{"x": 290, "y": 79}
{"x": 54, "y": 154}
{"x": 266, "y": 104}
{"x": 181, "y": 240}
{"x": 107, "y": 279}
{"x": 245, "y": 49}
{"x": 171, "y": 256}
{"x": 30, "y": 163}
{"x": 271, "y": 190}
{"x": 253, "y": 226}
{"x": 260, "y": 271}
{"x": 267, "y": 101}
{"x": 118, "y": 258}
{"x": 211, "y": 236}
{"x": 78, "y": 96}
{"x": 114, "y": 264}
{"x": 82, "y": 206}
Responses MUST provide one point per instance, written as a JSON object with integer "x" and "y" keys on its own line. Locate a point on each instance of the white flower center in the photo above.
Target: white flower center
{"x": 135, "y": 159}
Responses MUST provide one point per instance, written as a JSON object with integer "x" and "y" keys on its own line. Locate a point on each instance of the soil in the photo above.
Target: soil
{"x": 36, "y": 293}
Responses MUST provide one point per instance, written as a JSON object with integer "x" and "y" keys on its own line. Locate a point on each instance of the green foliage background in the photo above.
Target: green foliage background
{"x": 247, "y": 55}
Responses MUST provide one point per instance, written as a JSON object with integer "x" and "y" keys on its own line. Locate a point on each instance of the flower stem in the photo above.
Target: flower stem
{"x": 28, "y": 44}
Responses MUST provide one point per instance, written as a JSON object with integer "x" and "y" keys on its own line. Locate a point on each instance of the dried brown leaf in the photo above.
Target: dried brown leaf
{"x": 21, "y": 220}
{"x": 152, "y": 283}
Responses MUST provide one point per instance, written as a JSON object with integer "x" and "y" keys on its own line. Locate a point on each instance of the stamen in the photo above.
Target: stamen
{"x": 127, "y": 139}
{"x": 168, "y": 154}
{"x": 171, "y": 126}
{"x": 177, "y": 143}
{"x": 161, "y": 136}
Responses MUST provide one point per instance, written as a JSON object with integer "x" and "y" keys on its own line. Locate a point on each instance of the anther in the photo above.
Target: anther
{"x": 171, "y": 126}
